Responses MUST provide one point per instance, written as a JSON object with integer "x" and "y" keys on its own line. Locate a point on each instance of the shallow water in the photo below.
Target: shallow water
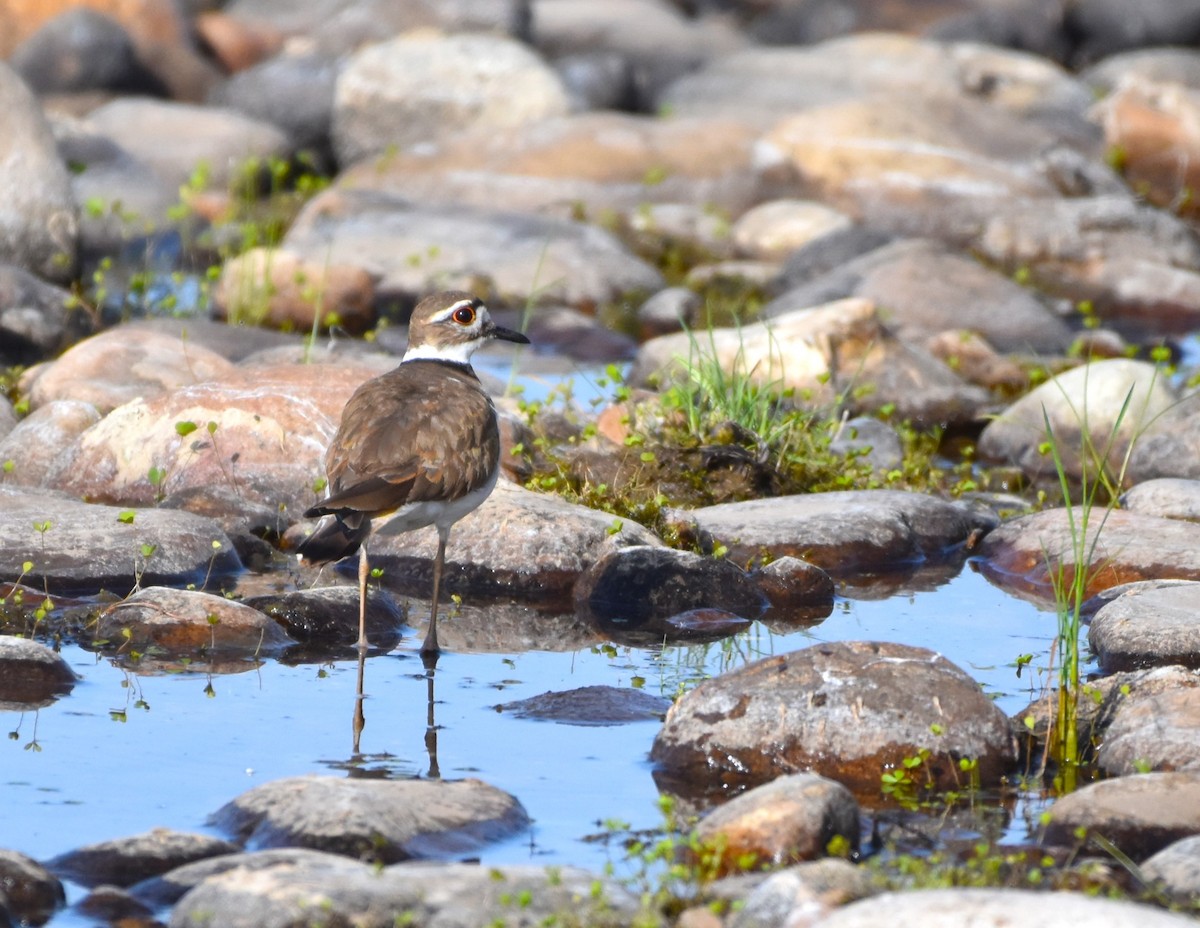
{"x": 124, "y": 752}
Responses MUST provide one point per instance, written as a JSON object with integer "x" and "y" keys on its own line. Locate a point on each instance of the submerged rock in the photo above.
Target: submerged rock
{"x": 590, "y": 705}
{"x": 30, "y": 891}
{"x": 31, "y": 674}
{"x": 375, "y": 820}
{"x": 329, "y": 615}
{"x": 125, "y": 861}
{"x": 851, "y": 711}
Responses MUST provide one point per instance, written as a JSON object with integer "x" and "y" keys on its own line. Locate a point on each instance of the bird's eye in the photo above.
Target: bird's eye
{"x": 464, "y": 315}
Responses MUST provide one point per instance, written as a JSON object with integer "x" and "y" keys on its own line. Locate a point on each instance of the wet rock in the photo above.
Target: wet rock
{"x": 1176, "y": 869}
{"x": 375, "y": 820}
{"x": 1166, "y": 497}
{"x": 82, "y": 547}
{"x": 633, "y": 162}
{"x": 1132, "y": 263}
{"x": 1120, "y": 548}
{"x": 1140, "y": 814}
{"x": 1095, "y": 395}
{"x": 36, "y": 320}
{"x": 775, "y": 229}
{"x": 31, "y": 892}
{"x": 184, "y": 622}
{"x": 790, "y": 819}
{"x": 114, "y": 906}
{"x": 174, "y": 138}
{"x": 260, "y": 431}
{"x": 1147, "y": 627}
{"x": 37, "y": 441}
{"x": 633, "y": 589}
{"x": 520, "y": 544}
{"x": 1101, "y": 701}
{"x": 850, "y": 711}
{"x": 272, "y": 286}
{"x": 125, "y": 861}
{"x": 842, "y": 532}
{"x": 328, "y": 616}
{"x": 925, "y": 288}
{"x": 949, "y": 908}
{"x": 590, "y": 705}
{"x": 796, "y": 589}
{"x": 39, "y": 225}
{"x": 31, "y": 675}
{"x": 293, "y": 91}
{"x": 80, "y": 50}
{"x": 315, "y": 889}
{"x": 409, "y": 248}
{"x": 1153, "y": 731}
{"x": 121, "y": 365}
{"x": 837, "y": 349}
{"x": 422, "y": 87}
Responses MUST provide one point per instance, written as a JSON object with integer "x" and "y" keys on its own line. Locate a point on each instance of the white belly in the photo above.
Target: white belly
{"x": 435, "y": 512}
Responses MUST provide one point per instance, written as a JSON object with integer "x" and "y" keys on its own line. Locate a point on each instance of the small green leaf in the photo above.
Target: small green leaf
{"x": 126, "y": 516}
{"x": 185, "y": 428}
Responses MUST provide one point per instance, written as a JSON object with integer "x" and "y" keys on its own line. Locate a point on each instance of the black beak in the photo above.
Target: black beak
{"x": 508, "y": 335}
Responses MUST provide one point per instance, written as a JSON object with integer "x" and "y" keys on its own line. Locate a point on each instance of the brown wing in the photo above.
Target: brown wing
{"x": 424, "y": 431}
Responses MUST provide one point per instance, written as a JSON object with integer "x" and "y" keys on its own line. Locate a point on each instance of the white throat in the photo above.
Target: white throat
{"x": 459, "y": 353}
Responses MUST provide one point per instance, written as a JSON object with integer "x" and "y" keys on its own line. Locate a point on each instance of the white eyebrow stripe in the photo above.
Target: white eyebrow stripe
{"x": 451, "y": 310}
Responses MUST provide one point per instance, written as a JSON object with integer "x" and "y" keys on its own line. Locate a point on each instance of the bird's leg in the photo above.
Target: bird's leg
{"x": 430, "y": 647}
{"x": 363, "y": 571}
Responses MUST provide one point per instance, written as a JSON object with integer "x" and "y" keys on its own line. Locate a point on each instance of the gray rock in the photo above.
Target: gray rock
{"x": 596, "y": 80}
{"x": 790, "y": 819}
{"x": 590, "y": 705}
{"x": 1140, "y": 814}
{"x": 81, "y": 50}
{"x": 175, "y": 138}
{"x": 315, "y": 890}
{"x": 291, "y": 91}
{"x": 376, "y": 820}
{"x": 1119, "y": 548}
{"x": 633, "y": 589}
{"x": 796, "y": 589}
{"x": 813, "y": 887}
{"x": 8, "y": 422}
{"x": 870, "y": 440}
{"x": 125, "y": 861}
{"x": 1164, "y": 65}
{"x": 1170, "y": 447}
{"x": 1176, "y": 869}
{"x": 35, "y": 320}
{"x": 1167, "y": 497}
{"x": 36, "y": 442}
{"x": 1103, "y": 27}
{"x": 952, "y": 908}
{"x": 174, "y": 623}
{"x": 31, "y": 892}
{"x": 847, "y": 710}
{"x": 923, "y": 288}
{"x": 1154, "y": 731}
{"x": 419, "y": 88}
{"x": 1094, "y": 394}
{"x": 86, "y": 547}
{"x": 775, "y": 229}
{"x": 843, "y": 532}
{"x": 669, "y": 310}
{"x": 1148, "y": 627}
{"x": 557, "y": 542}
{"x": 31, "y": 674}
{"x": 412, "y": 249}
{"x": 39, "y": 226}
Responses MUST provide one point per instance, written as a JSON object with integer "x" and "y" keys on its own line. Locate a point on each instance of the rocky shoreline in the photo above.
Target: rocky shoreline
{"x": 966, "y": 224}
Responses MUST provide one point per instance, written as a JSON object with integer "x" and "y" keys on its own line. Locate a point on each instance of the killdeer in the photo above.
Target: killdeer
{"x": 420, "y": 441}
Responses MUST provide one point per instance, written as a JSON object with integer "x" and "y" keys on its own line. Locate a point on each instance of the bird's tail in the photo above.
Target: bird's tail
{"x": 335, "y": 538}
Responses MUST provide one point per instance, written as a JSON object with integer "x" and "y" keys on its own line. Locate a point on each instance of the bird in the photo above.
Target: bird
{"x": 420, "y": 443}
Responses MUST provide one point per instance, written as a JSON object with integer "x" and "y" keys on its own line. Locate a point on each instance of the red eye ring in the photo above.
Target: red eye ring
{"x": 464, "y": 315}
